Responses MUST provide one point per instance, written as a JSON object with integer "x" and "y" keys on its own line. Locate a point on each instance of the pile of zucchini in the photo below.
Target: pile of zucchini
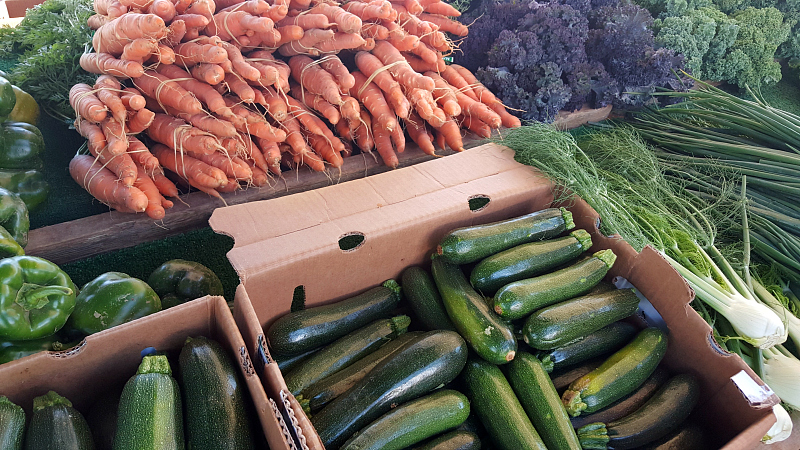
{"x": 203, "y": 407}
{"x": 531, "y": 337}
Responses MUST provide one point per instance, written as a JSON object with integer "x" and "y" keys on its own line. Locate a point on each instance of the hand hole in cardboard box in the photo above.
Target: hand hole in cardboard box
{"x": 478, "y": 202}
{"x": 351, "y": 241}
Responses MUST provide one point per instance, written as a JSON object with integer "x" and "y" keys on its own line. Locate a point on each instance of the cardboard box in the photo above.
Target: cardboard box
{"x": 292, "y": 243}
{"x": 106, "y": 360}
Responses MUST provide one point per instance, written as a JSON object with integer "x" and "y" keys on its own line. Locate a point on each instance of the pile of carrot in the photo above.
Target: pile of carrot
{"x": 226, "y": 93}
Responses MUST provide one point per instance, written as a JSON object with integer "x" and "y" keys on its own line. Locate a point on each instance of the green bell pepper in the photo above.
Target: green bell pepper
{"x": 178, "y": 281}
{"x": 13, "y": 350}
{"x": 28, "y": 184}
{"x": 7, "y": 97}
{"x": 109, "y": 300}
{"x": 8, "y": 246}
{"x": 36, "y": 299}
{"x": 20, "y": 146}
{"x": 14, "y": 216}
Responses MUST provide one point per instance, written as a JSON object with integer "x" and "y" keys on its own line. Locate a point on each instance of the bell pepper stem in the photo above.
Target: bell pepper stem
{"x": 34, "y": 296}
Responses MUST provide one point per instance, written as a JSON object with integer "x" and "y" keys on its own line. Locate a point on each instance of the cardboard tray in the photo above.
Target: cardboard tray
{"x": 106, "y": 360}
{"x": 292, "y": 243}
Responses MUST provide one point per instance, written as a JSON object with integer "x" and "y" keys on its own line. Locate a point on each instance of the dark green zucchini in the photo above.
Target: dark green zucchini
{"x": 491, "y": 338}
{"x": 412, "y": 422}
{"x": 557, "y": 325}
{"x": 343, "y": 352}
{"x": 518, "y": 299}
{"x": 287, "y": 363}
{"x": 626, "y": 405}
{"x": 498, "y": 408}
{"x": 300, "y": 331}
{"x": 454, "y": 440}
{"x": 421, "y": 365}
{"x": 325, "y": 390}
{"x": 659, "y": 416}
{"x": 603, "y": 341}
{"x": 687, "y": 437}
{"x": 12, "y": 425}
{"x": 150, "y": 416}
{"x": 206, "y": 373}
{"x": 541, "y": 402}
{"x": 618, "y": 376}
{"x": 423, "y": 296}
{"x": 56, "y": 425}
{"x": 562, "y": 378}
{"x": 527, "y": 260}
{"x": 470, "y": 244}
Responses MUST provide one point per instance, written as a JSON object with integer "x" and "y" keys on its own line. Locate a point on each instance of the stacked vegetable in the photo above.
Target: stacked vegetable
{"x": 227, "y": 92}
{"x": 203, "y": 407}
{"x": 348, "y": 366}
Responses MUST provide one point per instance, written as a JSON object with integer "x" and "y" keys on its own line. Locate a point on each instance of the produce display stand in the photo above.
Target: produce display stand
{"x": 291, "y": 244}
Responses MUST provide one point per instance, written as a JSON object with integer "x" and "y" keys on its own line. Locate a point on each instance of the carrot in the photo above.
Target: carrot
{"x": 317, "y": 103}
{"x": 325, "y": 150}
{"x": 399, "y": 69}
{"x": 139, "y": 49}
{"x": 312, "y": 77}
{"x": 418, "y": 65}
{"x": 104, "y": 63}
{"x": 411, "y": 22}
{"x": 340, "y": 41}
{"x": 299, "y": 5}
{"x": 373, "y": 68}
{"x": 196, "y": 172}
{"x": 289, "y": 33}
{"x": 452, "y": 135}
{"x": 509, "y": 120}
{"x": 233, "y": 166}
{"x": 444, "y": 95}
{"x": 193, "y": 21}
{"x": 113, "y": 36}
{"x": 441, "y": 8}
{"x": 166, "y": 187}
{"x": 416, "y": 130}
{"x": 345, "y": 21}
{"x": 165, "y": 54}
{"x": 260, "y": 177}
{"x": 272, "y": 154}
{"x": 383, "y": 144}
{"x": 372, "y": 98}
{"x": 97, "y": 20}
{"x": 373, "y": 30}
{"x": 426, "y": 53}
{"x": 277, "y": 12}
{"x": 202, "y": 91}
{"x": 363, "y": 133}
{"x": 437, "y": 41}
{"x": 369, "y": 45}
{"x": 142, "y": 157}
{"x": 240, "y": 65}
{"x": 275, "y": 105}
{"x": 307, "y": 21}
{"x": 229, "y": 24}
{"x": 455, "y": 79}
{"x": 179, "y": 135}
{"x": 305, "y": 45}
{"x": 369, "y": 11}
{"x": 140, "y": 120}
{"x": 182, "y": 5}
{"x": 240, "y": 88}
{"x": 202, "y": 7}
{"x": 115, "y": 136}
{"x": 96, "y": 140}
{"x": 211, "y": 74}
{"x": 477, "y": 126}
{"x": 154, "y": 208}
{"x": 252, "y": 152}
{"x": 210, "y": 124}
{"x": 136, "y": 4}
{"x": 350, "y": 110}
{"x": 162, "y": 8}
{"x": 425, "y": 106}
{"x": 309, "y": 121}
{"x": 110, "y": 8}
{"x": 253, "y": 7}
{"x": 167, "y": 92}
{"x": 445, "y": 24}
{"x": 108, "y": 90}
{"x": 269, "y": 73}
{"x": 343, "y": 130}
{"x": 86, "y": 104}
{"x": 190, "y": 53}
{"x": 104, "y": 185}
{"x": 471, "y": 108}
{"x": 294, "y": 135}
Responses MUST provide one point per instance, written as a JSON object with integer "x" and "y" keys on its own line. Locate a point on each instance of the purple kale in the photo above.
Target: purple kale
{"x": 488, "y": 21}
{"x": 561, "y": 30}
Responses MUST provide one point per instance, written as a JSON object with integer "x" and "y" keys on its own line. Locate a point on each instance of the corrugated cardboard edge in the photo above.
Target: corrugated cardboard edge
{"x": 264, "y": 245}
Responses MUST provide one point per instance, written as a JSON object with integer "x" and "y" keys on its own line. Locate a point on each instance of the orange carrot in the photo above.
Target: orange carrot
{"x": 162, "y": 8}
{"x": 132, "y": 99}
{"x": 455, "y": 79}
{"x": 452, "y": 135}
{"x": 97, "y": 20}
{"x": 426, "y": 53}
{"x": 508, "y": 120}
{"x": 108, "y": 89}
{"x": 425, "y": 106}
{"x": 369, "y": 11}
{"x": 416, "y": 130}
{"x": 345, "y": 21}
{"x": 418, "y": 65}
{"x": 179, "y": 135}
{"x": 272, "y": 154}
{"x": 96, "y": 140}
{"x": 139, "y": 49}
{"x": 477, "y": 126}
{"x": 269, "y": 73}
{"x": 317, "y": 103}
{"x": 372, "y": 67}
{"x": 340, "y": 41}
{"x": 444, "y": 95}
{"x": 182, "y": 5}
{"x": 164, "y": 54}
{"x": 191, "y": 53}
{"x": 437, "y": 41}
{"x": 305, "y": 45}
{"x": 240, "y": 65}
{"x": 136, "y": 4}
{"x": 441, "y": 8}
{"x": 115, "y": 136}
{"x": 325, "y": 150}
{"x": 299, "y": 5}
{"x": 373, "y": 30}
{"x": 398, "y": 139}
{"x": 275, "y": 105}
{"x": 350, "y": 110}
{"x": 86, "y": 104}
{"x": 307, "y": 21}
{"x": 229, "y": 24}
{"x": 368, "y": 46}
{"x": 383, "y": 144}
{"x": 309, "y": 121}
{"x": 142, "y": 157}
{"x": 294, "y": 135}
{"x": 110, "y": 8}
{"x": 193, "y": 170}
{"x": 167, "y": 92}
{"x": 474, "y": 109}
{"x": 193, "y": 21}
{"x": 204, "y": 8}
{"x": 343, "y": 130}
{"x": 252, "y": 152}
{"x": 104, "y": 185}
{"x": 446, "y": 24}
{"x": 233, "y": 166}
{"x": 113, "y": 36}
{"x": 202, "y": 91}
{"x": 154, "y": 209}
{"x": 166, "y": 187}
{"x": 312, "y": 77}
{"x": 208, "y": 73}
{"x": 372, "y": 98}
{"x": 398, "y": 37}
{"x": 254, "y": 7}
{"x": 401, "y": 71}
{"x": 175, "y": 33}
{"x": 277, "y": 11}
{"x": 240, "y": 88}
{"x": 140, "y": 120}
{"x": 289, "y": 33}
{"x": 260, "y": 177}
{"x": 413, "y": 6}
{"x": 217, "y": 127}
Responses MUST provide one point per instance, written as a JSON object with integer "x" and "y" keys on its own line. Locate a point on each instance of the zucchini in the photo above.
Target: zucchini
{"x": 470, "y": 244}
{"x": 603, "y": 341}
{"x": 618, "y": 376}
{"x": 300, "y": 331}
{"x": 556, "y": 325}
{"x": 519, "y": 298}
{"x": 423, "y": 296}
{"x": 491, "y": 338}
{"x": 527, "y": 260}
{"x": 662, "y": 414}
{"x": 207, "y": 372}
{"x": 541, "y": 402}
{"x": 687, "y": 437}
{"x": 433, "y": 359}
{"x": 325, "y": 390}
{"x": 56, "y": 425}
{"x": 287, "y": 363}
{"x": 12, "y": 425}
{"x": 498, "y": 408}
{"x": 343, "y": 352}
{"x": 626, "y": 405}
{"x": 454, "y": 440}
{"x": 561, "y": 379}
{"x": 412, "y": 422}
{"x": 150, "y": 415}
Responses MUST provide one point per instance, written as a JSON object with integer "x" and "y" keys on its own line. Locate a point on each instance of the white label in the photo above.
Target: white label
{"x": 755, "y": 393}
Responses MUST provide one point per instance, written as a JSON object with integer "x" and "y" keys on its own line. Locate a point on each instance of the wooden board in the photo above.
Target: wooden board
{"x": 90, "y": 236}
